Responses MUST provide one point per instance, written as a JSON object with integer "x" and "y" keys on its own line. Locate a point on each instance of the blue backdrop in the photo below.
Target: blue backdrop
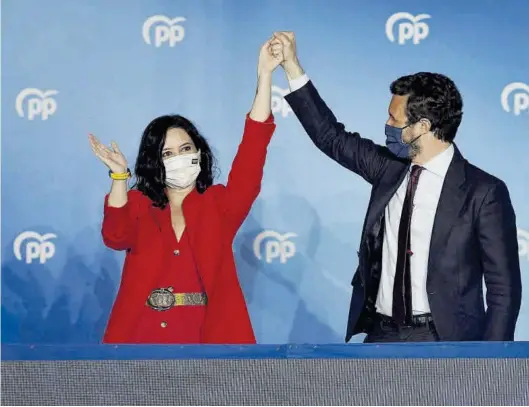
{"x": 104, "y": 67}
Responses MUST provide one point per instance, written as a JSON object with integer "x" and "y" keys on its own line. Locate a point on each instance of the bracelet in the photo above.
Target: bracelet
{"x": 119, "y": 176}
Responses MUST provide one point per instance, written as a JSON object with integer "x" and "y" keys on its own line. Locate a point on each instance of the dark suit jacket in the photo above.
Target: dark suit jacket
{"x": 474, "y": 234}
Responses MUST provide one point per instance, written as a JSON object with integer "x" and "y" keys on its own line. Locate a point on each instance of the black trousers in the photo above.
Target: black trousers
{"x": 385, "y": 330}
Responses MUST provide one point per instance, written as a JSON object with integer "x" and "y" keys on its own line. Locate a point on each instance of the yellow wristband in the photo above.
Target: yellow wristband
{"x": 121, "y": 176}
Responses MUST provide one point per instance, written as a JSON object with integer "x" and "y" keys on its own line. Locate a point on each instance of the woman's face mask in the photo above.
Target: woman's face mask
{"x": 181, "y": 171}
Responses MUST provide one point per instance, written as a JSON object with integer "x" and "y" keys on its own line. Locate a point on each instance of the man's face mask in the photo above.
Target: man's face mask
{"x": 394, "y": 141}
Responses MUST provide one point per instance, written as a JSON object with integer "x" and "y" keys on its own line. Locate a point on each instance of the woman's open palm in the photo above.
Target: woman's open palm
{"x": 113, "y": 159}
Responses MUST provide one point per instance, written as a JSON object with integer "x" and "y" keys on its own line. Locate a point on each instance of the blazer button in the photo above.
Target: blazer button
{"x": 163, "y": 324}
{"x": 176, "y": 252}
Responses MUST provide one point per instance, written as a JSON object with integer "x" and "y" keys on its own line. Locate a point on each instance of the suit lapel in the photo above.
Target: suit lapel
{"x": 450, "y": 205}
{"x": 382, "y": 195}
{"x": 191, "y": 208}
{"x": 162, "y": 219}
{"x": 202, "y": 230}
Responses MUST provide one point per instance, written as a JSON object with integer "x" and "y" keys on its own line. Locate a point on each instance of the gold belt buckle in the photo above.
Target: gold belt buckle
{"x": 162, "y": 299}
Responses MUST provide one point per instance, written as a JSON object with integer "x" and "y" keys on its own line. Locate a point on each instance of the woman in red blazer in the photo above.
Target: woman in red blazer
{"x": 179, "y": 282}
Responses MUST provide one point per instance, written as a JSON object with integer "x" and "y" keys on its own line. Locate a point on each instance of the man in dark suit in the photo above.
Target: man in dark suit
{"x": 436, "y": 225}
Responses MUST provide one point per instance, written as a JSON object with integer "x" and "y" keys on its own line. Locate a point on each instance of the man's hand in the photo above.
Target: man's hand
{"x": 290, "y": 61}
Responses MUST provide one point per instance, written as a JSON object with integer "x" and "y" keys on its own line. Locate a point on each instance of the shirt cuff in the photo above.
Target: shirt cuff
{"x": 298, "y": 83}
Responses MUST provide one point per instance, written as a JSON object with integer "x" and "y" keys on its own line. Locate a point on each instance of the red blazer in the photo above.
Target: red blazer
{"x": 212, "y": 220}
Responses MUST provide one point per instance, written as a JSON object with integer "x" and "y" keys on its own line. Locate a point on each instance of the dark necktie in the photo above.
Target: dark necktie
{"x": 402, "y": 312}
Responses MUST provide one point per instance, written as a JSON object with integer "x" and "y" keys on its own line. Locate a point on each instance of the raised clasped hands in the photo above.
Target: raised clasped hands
{"x": 285, "y": 44}
{"x": 278, "y": 50}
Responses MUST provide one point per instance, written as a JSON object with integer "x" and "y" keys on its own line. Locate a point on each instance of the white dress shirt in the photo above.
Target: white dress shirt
{"x": 425, "y": 205}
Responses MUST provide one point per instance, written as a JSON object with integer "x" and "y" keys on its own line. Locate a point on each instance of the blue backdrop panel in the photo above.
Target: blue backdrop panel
{"x": 70, "y": 68}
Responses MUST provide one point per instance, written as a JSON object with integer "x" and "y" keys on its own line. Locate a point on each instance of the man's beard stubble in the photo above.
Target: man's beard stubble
{"x": 414, "y": 151}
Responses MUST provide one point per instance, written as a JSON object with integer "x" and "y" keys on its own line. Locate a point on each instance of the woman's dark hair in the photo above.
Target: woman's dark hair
{"x": 434, "y": 97}
{"x": 149, "y": 169}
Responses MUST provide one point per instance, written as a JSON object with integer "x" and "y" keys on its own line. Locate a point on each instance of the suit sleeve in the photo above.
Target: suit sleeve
{"x": 120, "y": 224}
{"x": 246, "y": 174}
{"x": 353, "y": 152}
{"x": 501, "y": 264}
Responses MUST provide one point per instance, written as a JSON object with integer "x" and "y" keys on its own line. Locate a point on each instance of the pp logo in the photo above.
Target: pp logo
{"x": 278, "y": 246}
{"x": 165, "y": 30}
{"x": 279, "y": 104}
{"x": 412, "y": 29}
{"x": 38, "y": 103}
{"x": 523, "y": 244}
{"x": 36, "y": 246}
{"x": 520, "y": 100}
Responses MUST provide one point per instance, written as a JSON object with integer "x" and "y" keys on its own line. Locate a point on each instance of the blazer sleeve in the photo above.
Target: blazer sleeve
{"x": 244, "y": 180}
{"x": 501, "y": 263}
{"x": 353, "y": 152}
{"x": 120, "y": 224}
